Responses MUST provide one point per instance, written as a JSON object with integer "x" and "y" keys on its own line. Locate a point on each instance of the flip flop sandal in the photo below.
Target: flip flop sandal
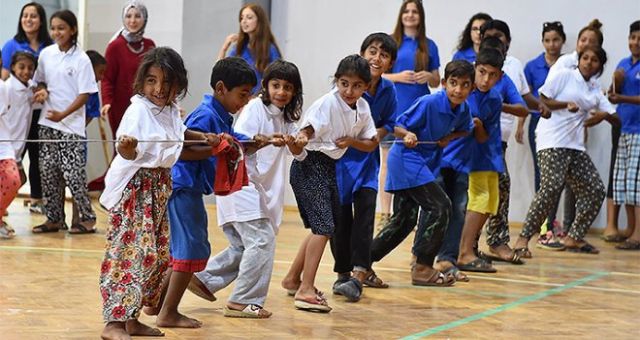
{"x": 315, "y": 304}
{"x": 438, "y": 279}
{"x": 6, "y": 232}
{"x": 251, "y": 311}
{"x": 613, "y": 238}
{"x": 478, "y": 265}
{"x": 81, "y": 229}
{"x": 373, "y": 281}
{"x": 44, "y": 228}
{"x": 457, "y": 274}
{"x": 585, "y": 249}
{"x": 199, "y": 289}
{"x": 515, "y": 258}
{"x": 629, "y": 245}
{"x": 523, "y": 253}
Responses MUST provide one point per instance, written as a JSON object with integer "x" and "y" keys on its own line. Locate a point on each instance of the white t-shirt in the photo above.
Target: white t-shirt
{"x": 331, "y": 118}
{"x": 264, "y": 197}
{"x": 565, "y": 129}
{"x": 6, "y": 151}
{"x": 18, "y": 117}
{"x": 144, "y": 121}
{"x": 513, "y": 68}
{"x": 67, "y": 75}
{"x": 566, "y": 61}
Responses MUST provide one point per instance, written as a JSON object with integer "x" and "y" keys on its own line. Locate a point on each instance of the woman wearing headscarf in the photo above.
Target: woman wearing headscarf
{"x": 124, "y": 53}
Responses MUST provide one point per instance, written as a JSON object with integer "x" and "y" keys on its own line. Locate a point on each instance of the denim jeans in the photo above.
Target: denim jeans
{"x": 456, "y": 185}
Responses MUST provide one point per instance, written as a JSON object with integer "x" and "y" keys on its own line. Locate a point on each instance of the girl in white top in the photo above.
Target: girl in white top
{"x": 337, "y": 120}
{"x": 250, "y": 218}
{"x": 66, "y": 72}
{"x": 20, "y": 95}
{"x": 16, "y": 96}
{"x": 576, "y": 101}
{"x": 589, "y": 36}
{"x": 137, "y": 188}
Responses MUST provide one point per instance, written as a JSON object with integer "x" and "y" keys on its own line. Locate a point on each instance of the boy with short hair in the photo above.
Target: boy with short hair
{"x": 485, "y": 157}
{"x": 357, "y": 177}
{"x": 232, "y": 81}
{"x": 425, "y": 128}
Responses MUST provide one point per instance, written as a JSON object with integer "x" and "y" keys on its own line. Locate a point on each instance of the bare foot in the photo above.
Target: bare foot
{"x": 290, "y": 284}
{"x": 137, "y": 328}
{"x": 572, "y": 243}
{"x": 115, "y": 331}
{"x": 442, "y": 266}
{"x": 503, "y": 251}
{"x": 177, "y": 320}
{"x": 151, "y": 311}
{"x": 627, "y": 232}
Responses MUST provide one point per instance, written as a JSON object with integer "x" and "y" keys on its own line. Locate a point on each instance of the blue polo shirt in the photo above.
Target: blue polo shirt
{"x": 406, "y": 60}
{"x": 209, "y": 117}
{"x": 92, "y": 107}
{"x": 12, "y": 46}
{"x": 508, "y": 91}
{"x": 246, "y": 55}
{"x": 488, "y": 155}
{"x": 630, "y": 113}
{"x": 468, "y": 54}
{"x": 536, "y": 72}
{"x": 466, "y": 154}
{"x": 357, "y": 169}
{"x": 431, "y": 119}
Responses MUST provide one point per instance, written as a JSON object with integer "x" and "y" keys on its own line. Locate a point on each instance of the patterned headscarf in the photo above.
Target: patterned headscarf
{"x": 133, "y": 37}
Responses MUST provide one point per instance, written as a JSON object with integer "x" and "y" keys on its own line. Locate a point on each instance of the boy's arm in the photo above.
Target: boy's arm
{"x": 515, "y": 109}
{"x": 409, "y": 138}
{"x": 448, "y": 138}
{"x": 479, "y": 132}
{"x": 198, "y": 152}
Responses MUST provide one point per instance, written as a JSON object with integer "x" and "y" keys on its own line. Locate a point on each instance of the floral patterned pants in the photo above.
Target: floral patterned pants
{"x": 557, "y": 166}
{"x": 137, "y": 249}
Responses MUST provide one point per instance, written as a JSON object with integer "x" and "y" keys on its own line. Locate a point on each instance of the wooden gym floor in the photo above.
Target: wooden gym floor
{"x": 49, "y": 290}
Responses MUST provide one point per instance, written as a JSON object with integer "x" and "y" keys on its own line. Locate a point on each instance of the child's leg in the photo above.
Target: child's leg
{"x": 456, "y": 185}
{"x": 135, "y": 257}
{"x": 35, "y": 183}
{"x": 436, "y": 208}
{"x": 75, "y": 175}
{"x": 631, "y": 220}
{"x": 9, "y": 185}
{"x": 498, "y": 224}
{"x": 400, "y": 225}
{"x": 613, "y": 209}
{"x": 554, "y": 164}
{"x": 341, "y": 241}
{"x": 313, "y": 255}
{"x": 256, "y": 265}
{"x": 483, "y": 201}
{"x": 292, "y": 280}
{"x": 385, "y": 197}
{"x": 584, "y": 180}
{"x": 362, "y": 231}
{"x": 190, "y": 250}
{"x": 169, "y": 315}
{"x": 223, "y": 268}
{"x": 51, "y": 176}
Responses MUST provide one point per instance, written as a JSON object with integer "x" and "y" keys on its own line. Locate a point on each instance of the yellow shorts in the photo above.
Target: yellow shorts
{"x": 484, "y": 193}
